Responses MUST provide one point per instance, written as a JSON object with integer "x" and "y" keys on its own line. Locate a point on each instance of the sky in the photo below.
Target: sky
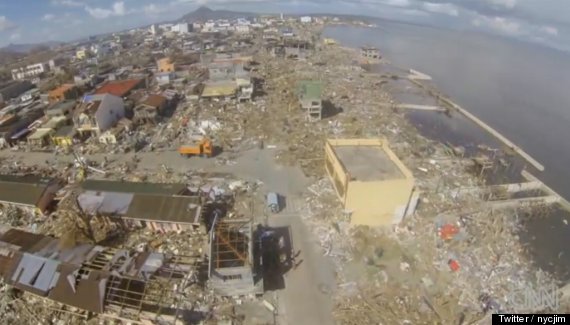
{"x": 30, "y": 21}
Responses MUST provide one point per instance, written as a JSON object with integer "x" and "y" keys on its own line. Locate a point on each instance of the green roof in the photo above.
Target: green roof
{"x": 309, "y": 89}
{"x": 178, "y": 209}
{"x": 133, "y": 187}
{"x": 24, "y": 190}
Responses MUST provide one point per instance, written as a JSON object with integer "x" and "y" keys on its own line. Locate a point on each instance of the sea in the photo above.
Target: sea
{"x": 518, "y": 88}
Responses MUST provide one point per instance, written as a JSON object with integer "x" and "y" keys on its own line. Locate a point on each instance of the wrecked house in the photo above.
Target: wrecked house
{"x": 370, "y": 53}
{"x": 374, "y": 186}
{"x": 225, "y": 89}
{"x": 165, "y": 78}
{"x": 149, "y": 109}
{"x": 158, "y": 207}
{"x": 63, "y": 108}
{"x": 114, "y": 283}
{"x": 225, "y": 71}
{"x": 310, "y": 98}
{"x": 297, "y": 48}
{"x": 31, "y": 193}
{"x": 14, "y": 127}
{"x": 98, "y": 113}
{"x": 228, "y": 79}
{"x": 230, "y": 268}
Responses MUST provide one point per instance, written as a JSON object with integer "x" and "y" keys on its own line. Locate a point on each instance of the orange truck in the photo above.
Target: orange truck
{"x": 204, "y": 148}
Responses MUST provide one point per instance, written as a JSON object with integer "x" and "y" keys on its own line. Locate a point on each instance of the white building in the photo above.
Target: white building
{"x": 153, "y": 29}
{"x": 242, "y": 29}
{"x": 209, "y": 27}
{"x": 181, "y": 28}
{"x": 99, "y": 113}
{"x": 29, "y": 71}
{"x": 306, "y": 19}
{"x": 166, "y": 27}
{"x": 164, "y": 78}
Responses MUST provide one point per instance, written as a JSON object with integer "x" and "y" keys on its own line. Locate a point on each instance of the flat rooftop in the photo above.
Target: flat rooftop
{"x": 367, "y": 163}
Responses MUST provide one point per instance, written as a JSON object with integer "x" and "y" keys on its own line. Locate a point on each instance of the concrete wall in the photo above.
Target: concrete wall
{"x": 111, "y": 110}
{"x": 374, "y": 203}
{"x": 337, "y": 174}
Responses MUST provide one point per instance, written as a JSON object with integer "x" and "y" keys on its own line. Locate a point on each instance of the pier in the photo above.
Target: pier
{"x": 483, "y": 125}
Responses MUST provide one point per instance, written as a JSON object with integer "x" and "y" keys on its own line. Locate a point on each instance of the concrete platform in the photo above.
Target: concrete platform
{"x": 367, "y": 163}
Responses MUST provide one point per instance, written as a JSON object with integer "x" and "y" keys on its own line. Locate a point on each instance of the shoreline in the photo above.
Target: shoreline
{"x": 533, "y": 162}
{"x": 378, "y": 275}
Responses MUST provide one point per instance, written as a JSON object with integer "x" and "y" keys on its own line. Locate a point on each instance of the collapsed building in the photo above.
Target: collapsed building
{"x": 116, "y": 283}
{"x": 228, "y": 79}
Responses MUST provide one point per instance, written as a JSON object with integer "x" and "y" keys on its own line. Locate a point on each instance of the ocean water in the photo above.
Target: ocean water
{"x": 520, "y": 89}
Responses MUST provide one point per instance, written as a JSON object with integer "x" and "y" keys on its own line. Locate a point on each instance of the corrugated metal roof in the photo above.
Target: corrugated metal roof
{"x": 21, "y": 193}
{"x": 20, "y": 238}
{"x": 119, "y": 88}
{"x": 35, "y": 272}
{"x": 133, "y": 187}
{"x": 154, "y": 101}
{"x": 180, "y": 209}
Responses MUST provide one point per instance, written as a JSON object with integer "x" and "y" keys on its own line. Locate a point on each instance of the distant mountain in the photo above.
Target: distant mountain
{"x": 7, "y": 57}
{"x": 205, "y": 13}
{"x": 26, "y": 48}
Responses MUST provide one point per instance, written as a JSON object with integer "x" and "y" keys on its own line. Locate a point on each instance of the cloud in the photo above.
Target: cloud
{"x": 48, "y": 17}
{"x": 6, "y": 24}
{"x": 153, "y": 10}
{"x": 499, "y": 24}
{"x": 118, "y": 9}
{"x": 509, "y": 4}
{"x": 441, "y": 8}
{"x": 15, "y": 36}
{"x": 397, "y": 3}
{"x": 68, "y": 3}
{"x": 549, "y": 30}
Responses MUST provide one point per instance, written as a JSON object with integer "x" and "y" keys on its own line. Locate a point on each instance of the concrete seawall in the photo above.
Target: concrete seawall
{"x": 486, "y": 127}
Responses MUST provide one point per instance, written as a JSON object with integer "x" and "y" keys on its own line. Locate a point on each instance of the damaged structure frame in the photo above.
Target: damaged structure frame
{"x": 116, "y": 283}
{"x": 231, "y": 263}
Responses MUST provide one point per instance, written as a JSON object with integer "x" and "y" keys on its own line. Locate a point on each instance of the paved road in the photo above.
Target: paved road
{"x": 306, "y": 299}
{"x": 254, "y": 164}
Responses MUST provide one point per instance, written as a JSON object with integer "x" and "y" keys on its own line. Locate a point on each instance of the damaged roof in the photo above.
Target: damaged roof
{"x": 24, "y": 190}
{"x": 89, "y": 277}
{"x": 154, "y": 101}
{"x": 179, "y": 209}
{"x": 133, "y": 187}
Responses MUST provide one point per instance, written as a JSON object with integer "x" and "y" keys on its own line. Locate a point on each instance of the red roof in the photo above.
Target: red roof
{"x": 118, "y": 88}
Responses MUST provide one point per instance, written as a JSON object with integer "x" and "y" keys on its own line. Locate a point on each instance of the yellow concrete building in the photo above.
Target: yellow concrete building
{"x": 81, "y": 54}
{"x": 165, "y": 65}
{"x": 371, "y": 182}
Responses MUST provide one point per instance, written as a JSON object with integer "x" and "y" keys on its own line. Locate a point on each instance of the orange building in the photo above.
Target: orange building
{"x": 63, "y": 92}
{"x": 165, "y": 65}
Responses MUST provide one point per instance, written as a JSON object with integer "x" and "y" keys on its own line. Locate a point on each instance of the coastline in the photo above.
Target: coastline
{"x": 514, "y": 223}
{"x": 545, "y": 246}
